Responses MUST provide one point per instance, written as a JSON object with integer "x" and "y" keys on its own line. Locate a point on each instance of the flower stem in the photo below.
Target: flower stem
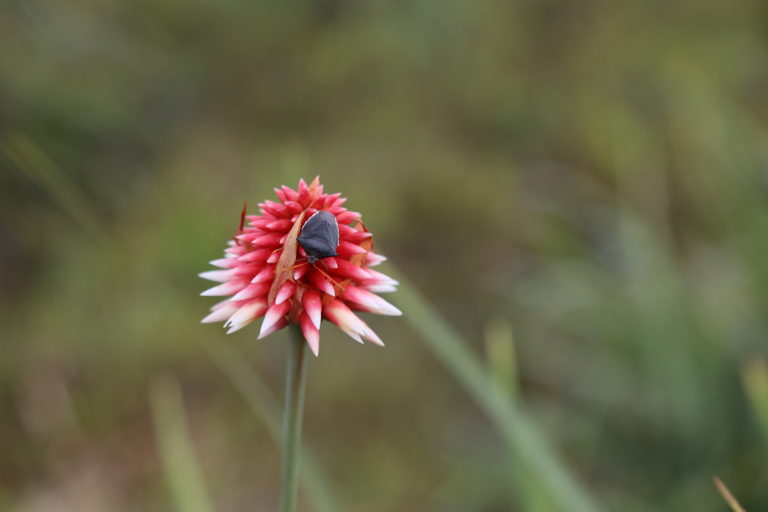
{"x": 295, "y": 380}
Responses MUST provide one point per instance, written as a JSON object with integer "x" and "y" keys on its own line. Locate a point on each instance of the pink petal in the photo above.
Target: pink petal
{"x": 348, "y": 269}
{"x": 225, "y": 262}
{"x": 346, "y": 249}
{"x": 274, "y": 257}
{"x": 281, "y": 225}
{"x": 252, "y": 290}
{"x": 372, "y": 337}
{"x": 219, "y": 276}
{"x": 319, "y": 281}
{"x": 303, "y": 192}
{"x": 248, "y": 269}
{"x": 259, "y": 255}
{"x": 313, "y": 305}
{"x": 286, "y": 291}
{"x": 311, "y": 333}
{"x": 281, "y": 322}
{"x": 372, "y": 259}
{"x": 275, "y": 209}
{"x": 248, "y": 237}
{"x": 338, "y": 313}
{"x": 347, "y": 217}
{"x": 379, "y": 278}
{"x": 290, "y": 194}
{"x": 274, "y": 319}
{"x": 270, "y": 240}
{"x": 346, "y": 231}
{"x": 381, "y": 288}
{"x": 280, "y": 194}
{"x": 370, "y": 302}
{"x": 220, "y": 314}
{"x": 224, "y": 303}
{"x": 353, "y": 236}
{"x": 234, "y": 250}
{"x": 245, "y": 315}
{"x": 331, "y": 263}
{"x": 300, "y": 271}
{"x": 267, "y": 274}
{"x": 258, "y": 221}
{"x": 229, "y": 288}
{"x": 330, "y": 199}
{"x": 294, "y": 207}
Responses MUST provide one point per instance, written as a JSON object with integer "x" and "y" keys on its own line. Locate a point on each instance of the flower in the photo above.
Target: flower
{"x": 266, "y": 272}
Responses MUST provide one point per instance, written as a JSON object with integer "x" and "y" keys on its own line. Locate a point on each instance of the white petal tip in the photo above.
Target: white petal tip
{"x": 355, "y": 336}
{"x": 371, "y": 336}
{"x": 387, "y": 309}
{"x": 218, "y": 315}
{"x": 268, "y": 326}
{"x": 219, "y": 276}
{"x": 236, "y": 325}
{"x": 382, "y": 288}
{"x": 220, "y": 290}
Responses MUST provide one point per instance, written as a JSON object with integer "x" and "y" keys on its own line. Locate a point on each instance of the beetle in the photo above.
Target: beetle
{"x": 320, "y": 236}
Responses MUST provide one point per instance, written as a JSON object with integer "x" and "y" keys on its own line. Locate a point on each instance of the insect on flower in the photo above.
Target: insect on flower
{"x": 320, "y": 236}
{"x": 302, "y": 259}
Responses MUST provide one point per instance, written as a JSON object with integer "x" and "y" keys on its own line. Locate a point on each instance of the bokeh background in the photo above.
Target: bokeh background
{"x": 580, "y": 189}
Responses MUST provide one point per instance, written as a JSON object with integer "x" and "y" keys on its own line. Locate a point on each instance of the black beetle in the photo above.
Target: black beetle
{"x": 320, "y": 236}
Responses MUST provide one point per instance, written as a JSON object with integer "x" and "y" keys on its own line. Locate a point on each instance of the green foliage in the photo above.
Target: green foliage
{"x": 594, "y": 174}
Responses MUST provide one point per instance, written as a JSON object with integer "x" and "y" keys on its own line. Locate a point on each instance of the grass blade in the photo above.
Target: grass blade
{"x": 517, "y": 430}
{"x": 38, "y": 166}
{"x": 500, "y": 355}
{"x": 754, "y": 375}
{"x": 182, "y": 470}
{"x": 726, "y": 494}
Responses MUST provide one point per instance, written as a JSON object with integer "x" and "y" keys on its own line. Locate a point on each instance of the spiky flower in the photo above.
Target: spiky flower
{"x": 267, "y": 273}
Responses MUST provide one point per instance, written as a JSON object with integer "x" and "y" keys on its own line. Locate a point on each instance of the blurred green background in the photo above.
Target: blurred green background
{"x": 580, "y": 188}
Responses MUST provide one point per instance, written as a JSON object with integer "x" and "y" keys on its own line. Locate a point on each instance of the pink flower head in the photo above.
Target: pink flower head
{"x": 265, "y": 271}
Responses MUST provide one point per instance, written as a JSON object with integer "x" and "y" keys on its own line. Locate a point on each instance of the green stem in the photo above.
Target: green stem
{"x": 262, "y": 404}
{"x": 295, "y": 381}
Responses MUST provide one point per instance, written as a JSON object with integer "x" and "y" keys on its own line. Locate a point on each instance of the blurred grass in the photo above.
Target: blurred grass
{"x": 531, "y": 492}
{"x": 38, "y": 167}
{"x": 755, "y": 379}
{"x": 727, "y": 496}
{"x": 500, "y": 355}
{"x": 594, "y": 174}
{"x": 516, "y": 429}
{"x": 182, "y": 469}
